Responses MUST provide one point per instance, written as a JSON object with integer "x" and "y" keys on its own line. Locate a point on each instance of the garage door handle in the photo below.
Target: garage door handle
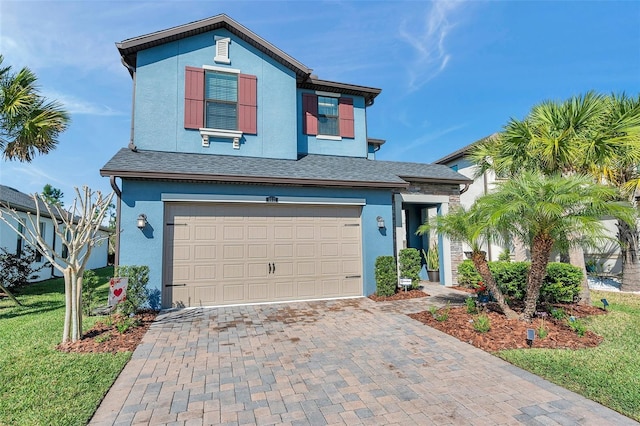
{"x": 353, "y": 276}
{"x": 175, "y": 285}
{"x": 269, "y": 267}
{"x": 274, "y": 268}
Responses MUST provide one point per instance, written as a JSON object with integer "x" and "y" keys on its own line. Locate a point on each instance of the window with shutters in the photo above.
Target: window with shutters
{"x": 328, "y": 116}
{"x": 221, "y": 103}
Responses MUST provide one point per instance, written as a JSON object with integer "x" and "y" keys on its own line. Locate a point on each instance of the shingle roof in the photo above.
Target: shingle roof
{"x": 462, "y": 151}
{"x": 19, "y": 200}
{"x": 315, "y": 170}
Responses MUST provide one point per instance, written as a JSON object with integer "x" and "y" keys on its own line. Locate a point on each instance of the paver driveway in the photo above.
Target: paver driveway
{"x": 345, "y": 362}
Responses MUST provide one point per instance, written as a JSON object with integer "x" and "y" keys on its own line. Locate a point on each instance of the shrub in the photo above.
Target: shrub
{"x": 467, "y": 274}
{"x": 470, "y": 302}
{"x": 558, "y": 313}
{"x": 386, "y": 276}
{"x": 410, "y": 265}
{"x": 137, "y": 294}
{"x": 578, "y": 326}
{"x": 561, "y": 284}
{"x": 443, "y": 313}
{"x": 17, "y": 269}
{"x": 505, "y": 256}
{"x": 90, "y": 282}
{"x": 482, "y": 324}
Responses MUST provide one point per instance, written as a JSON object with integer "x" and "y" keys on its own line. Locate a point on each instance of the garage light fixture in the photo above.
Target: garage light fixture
{"x": 142, "y": 221}
{"x": 380, "y": 221}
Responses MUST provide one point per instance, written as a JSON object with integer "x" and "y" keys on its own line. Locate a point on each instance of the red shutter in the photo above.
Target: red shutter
{"x": 345, "y": 111}
{"x": 310, "y": 114}
{"x": 193, "y": 98}
{"x": 248, "y": 103}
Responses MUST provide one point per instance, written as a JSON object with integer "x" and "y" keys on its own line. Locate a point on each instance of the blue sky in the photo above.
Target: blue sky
{"x": 450, "y": 72}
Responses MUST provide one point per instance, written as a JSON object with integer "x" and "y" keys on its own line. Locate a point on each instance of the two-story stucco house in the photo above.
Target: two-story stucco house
{"x": 249, "y": 180}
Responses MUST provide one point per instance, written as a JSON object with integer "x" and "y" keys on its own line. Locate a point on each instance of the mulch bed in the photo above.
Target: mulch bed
{"x": 103, "y": 338}
{"x": 511, "y": 334}
{"x": 400, "y": 295}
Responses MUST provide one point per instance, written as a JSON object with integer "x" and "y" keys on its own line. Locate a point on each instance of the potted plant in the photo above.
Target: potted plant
{"x": 432, "y": 257}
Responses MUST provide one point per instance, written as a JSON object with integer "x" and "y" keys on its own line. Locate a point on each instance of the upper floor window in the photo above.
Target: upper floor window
{"x": 328, "y": 116}
{"x": 41, "y": 230}
{"x": 221, "y": 98}
{"x": 215, "y": 99}
{"x": 19, "y": 241}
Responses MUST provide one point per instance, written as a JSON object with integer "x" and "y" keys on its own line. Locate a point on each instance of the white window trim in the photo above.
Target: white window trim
{"x": 220, "y": 42}
{"x": 235, "y": 135}
{"x": 327, "y": 94}
{"x": 329, "y": 137}
{"x": 221, "y": 69}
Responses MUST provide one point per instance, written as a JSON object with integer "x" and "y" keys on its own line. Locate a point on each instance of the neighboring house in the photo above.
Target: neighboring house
{"x": 607, "y": 259}
{"x": 250, "y": 180}
{"x": 13, "y": 243}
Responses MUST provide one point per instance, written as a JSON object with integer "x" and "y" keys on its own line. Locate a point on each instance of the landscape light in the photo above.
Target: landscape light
{"x": 604, "y": 303}
{"x": 531, "y": 335}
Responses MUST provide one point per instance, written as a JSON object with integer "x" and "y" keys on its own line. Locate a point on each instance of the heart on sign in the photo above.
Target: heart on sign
{"x": 117, "y": 292}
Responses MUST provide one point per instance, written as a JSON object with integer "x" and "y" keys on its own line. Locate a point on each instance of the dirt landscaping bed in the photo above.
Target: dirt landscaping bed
{"x": 106, "y": 338}
{"x": 512, "y": 334}
{"x": 401, "y": 295}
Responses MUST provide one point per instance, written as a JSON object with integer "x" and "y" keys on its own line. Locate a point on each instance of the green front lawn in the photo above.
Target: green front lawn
{"x": 608, "y": 374}
{"x": 39, "y": 385}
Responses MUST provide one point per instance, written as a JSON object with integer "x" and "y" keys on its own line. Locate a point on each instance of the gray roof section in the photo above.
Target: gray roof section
{"x": 19, "y": 200}
{"x": 462, "y": 151}
{"x": 314, "y": 170}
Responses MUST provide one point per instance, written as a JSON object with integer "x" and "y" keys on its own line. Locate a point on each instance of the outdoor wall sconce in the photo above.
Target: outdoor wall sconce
{"x": 142, "y": 221}
{"x": 605, "y": 303}
{"x": 380, "y": 221}
{"x": 531, "y": 335}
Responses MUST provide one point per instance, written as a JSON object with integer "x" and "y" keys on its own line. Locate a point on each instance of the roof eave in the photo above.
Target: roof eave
{"x": 451, "y": 181}
{"x": 129, "y": 48}
{"x": 369, "y": 93}
{"x": 250, "y": 179}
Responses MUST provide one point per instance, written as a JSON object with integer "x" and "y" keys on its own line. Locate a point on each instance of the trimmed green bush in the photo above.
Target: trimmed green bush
{"x": 561, "y": 284}
{"x": 386, "y": 276}
{"x": 137, "y": 293}
{"x": 410, "y": 265}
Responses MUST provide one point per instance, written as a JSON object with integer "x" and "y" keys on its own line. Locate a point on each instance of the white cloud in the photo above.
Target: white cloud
{"x": 426, "y": 35}
{"x": 74, "y": 105}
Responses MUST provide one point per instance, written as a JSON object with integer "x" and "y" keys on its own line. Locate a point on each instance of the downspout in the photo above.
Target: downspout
{"x": 114, "y": 185}
{"x": 132, "y": 71}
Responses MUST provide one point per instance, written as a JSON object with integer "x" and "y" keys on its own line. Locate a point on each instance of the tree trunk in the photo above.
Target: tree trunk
{"x": 66, "y": 333}
{"x": 11, "y": 296}
{"x": 540, "y": 252}
{"x": 75, "y": 332}
{"x": 628, "y": 237}
{"x": 576, "y": 258}
{"x": 480, "y": 261}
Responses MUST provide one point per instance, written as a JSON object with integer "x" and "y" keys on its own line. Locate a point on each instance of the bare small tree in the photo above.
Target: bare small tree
{"x": 79, "y": 230}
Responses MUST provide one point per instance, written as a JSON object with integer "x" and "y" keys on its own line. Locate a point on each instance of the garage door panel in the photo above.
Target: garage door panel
{"x": 205, "y": 294}
{"x": 258, "y": 292}
{"x": 305, "y": 250}
{"x": 222, "y": 253}
{"x": 202, "y": 272}
{"x": 205, "y": 233}
{"x": 233, "y": 233}
{"x": 233, "y": 293}
{"x": 283, "y": 251}
{"x": 204, "y": 252}
{"x": 233, "y": 252}
{"x": 257, "y": 270}
{"x": 257, "y": 251}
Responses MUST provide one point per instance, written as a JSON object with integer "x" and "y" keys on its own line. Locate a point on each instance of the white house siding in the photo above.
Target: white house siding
{"x": 8, "y": 240}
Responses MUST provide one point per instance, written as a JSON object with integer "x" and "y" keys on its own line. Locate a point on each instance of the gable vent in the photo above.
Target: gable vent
{"x": 222, "y": 50}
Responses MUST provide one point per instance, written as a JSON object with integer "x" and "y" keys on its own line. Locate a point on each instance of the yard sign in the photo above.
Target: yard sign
{"x": 117, "y": 290}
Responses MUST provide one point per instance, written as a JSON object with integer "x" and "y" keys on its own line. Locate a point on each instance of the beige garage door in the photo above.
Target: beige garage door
{"x": 221, "y": 254}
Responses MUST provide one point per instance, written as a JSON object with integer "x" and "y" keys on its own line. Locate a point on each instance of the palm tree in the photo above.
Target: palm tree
{"x": 551, "y": 212}
{"x": 29, "y": 124}
{"x": 589, "y": 134}
{"x": 470, "y": 227}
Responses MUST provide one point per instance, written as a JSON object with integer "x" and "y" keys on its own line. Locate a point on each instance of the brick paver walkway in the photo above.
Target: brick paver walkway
{"x": 336, "y": 362}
